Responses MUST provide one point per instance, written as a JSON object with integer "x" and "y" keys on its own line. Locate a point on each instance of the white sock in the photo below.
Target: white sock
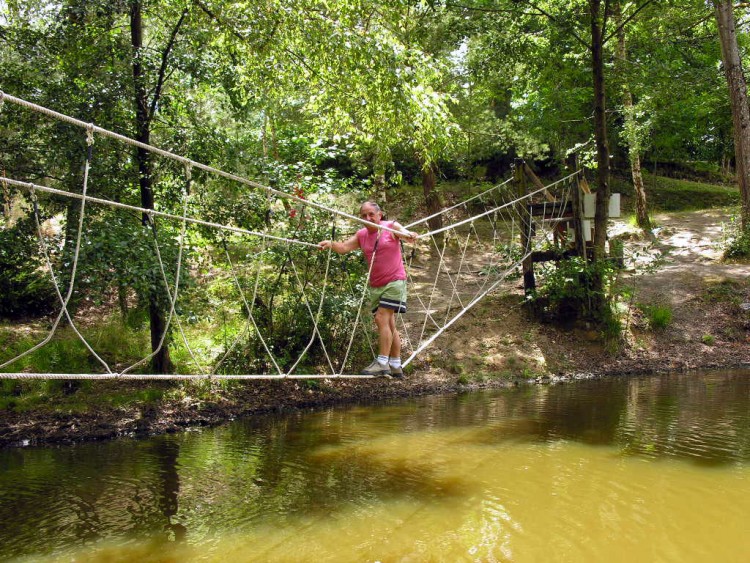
{"x": 395, "y": 362}
{"x": 382, "y": 360}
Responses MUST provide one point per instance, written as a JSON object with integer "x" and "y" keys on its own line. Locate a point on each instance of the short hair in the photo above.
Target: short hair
{"x": 370, "y": 202}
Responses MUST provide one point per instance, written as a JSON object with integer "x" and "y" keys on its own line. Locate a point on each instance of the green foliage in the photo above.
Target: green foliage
{"x": 573, "y": 281}
{"x": 708, "y": 339}
{"x": 25, "y": 287}
{"x": 737, "y": 241}
{"x": 725, "y": 291}
{"x": 659, "y": 316}
{"x": 574, "y": 290}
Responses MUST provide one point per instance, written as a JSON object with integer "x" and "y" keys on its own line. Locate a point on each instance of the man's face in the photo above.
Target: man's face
{"x": 372, "y": 214}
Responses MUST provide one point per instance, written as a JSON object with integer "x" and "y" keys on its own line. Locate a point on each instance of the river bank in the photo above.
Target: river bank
{"x": 496, "y": 344}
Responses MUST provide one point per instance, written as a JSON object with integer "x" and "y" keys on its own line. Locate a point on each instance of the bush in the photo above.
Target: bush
{"x": 575, "y": 290}
{"x": 737, "y": 242}
{"x": 25, "y": 289}
{"x": 576, "y": 287}
{"x": 659, "y": 316}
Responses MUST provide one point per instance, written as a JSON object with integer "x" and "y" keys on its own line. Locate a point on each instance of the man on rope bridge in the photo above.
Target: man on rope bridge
{"x": 387, "y": 281}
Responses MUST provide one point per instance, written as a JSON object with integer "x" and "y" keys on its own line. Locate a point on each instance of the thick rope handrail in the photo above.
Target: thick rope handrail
{"x": 184, "y": 160}
{"x": 155, "y": 213}
{"x": 459, "y": 204}
{"x": 176, "y": 376}
{"x": 498, "y": 208}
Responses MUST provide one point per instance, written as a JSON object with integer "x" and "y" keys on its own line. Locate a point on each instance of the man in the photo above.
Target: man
{"x": 387, "y": 282}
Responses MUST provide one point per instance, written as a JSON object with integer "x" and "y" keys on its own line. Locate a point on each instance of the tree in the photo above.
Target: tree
{"x": 350, "y": 70}
{"x": 145, "y": 110}
{"x": 735, "y": 77}
{"x": 633, "y": 131}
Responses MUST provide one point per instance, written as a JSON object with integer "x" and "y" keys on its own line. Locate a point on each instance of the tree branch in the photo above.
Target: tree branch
{"x": 482, "y": 9}
{"x": 626, "y": 21}
{"x": 163, "y": 67}
{"x": 556, "y": 20}
{"x": 605, "y": 18}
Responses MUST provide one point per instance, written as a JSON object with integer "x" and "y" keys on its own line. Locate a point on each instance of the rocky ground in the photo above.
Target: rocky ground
{"x": 495, "y": 344}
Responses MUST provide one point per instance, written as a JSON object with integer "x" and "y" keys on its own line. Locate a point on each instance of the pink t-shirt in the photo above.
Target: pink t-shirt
{"x": 389, "y": 266}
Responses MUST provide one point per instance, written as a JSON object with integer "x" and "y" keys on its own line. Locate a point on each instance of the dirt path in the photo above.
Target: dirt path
{"x": 686, "y": 255}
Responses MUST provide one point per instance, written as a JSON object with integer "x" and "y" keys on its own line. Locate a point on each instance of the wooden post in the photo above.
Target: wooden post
{"x": 577, "y": 196}
{"x": 524, "y": 221}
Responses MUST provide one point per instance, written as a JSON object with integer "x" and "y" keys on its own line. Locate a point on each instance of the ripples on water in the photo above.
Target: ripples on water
{"x": 628, "y": 469}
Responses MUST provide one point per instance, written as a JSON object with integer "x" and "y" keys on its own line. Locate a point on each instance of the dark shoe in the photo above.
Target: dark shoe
{"x": 375, "y": 369}
{"x": 397, "y": 372}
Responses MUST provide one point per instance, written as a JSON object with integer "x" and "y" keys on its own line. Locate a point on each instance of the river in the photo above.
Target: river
{"x": 623, "y": 469}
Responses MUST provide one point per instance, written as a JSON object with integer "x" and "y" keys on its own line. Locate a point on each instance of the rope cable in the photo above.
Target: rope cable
{"x": 74, "y": 267}
{"x": 167, "y": 154}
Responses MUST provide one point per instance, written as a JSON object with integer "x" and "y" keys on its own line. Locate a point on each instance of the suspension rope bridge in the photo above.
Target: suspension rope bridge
{"x": 449, "y": 270}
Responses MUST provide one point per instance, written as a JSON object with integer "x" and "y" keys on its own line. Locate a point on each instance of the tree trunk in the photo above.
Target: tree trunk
{"x": 432, "y": 201}
{"x": 161, "y": 362}
{"x": 634, "y": 148}
{"x": 730, "y": 57}
{"x": 600, "y": 131}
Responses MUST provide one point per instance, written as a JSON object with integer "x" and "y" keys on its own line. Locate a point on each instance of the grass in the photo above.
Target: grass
{"x": 659, "y": 316}
{"x": 65, "y": 352}
{"x": 74, "y": 396}
{"x": 725, "y": 291}
{"x": 670, "y": 194}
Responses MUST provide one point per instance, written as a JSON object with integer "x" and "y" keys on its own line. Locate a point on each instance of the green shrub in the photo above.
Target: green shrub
{"x": 575, "y": 290}
{"x": 658, "y": 316}
{"x": 25, "y": 288}
{"x": 737, "y": 243}
{"x": 576, "y": 287}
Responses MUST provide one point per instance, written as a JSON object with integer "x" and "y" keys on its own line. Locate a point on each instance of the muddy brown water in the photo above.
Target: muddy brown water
{"x": 624, "y": 469}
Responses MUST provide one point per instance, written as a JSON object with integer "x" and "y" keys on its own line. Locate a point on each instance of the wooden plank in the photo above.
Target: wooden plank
{"x": 578, "y": 218}
{"x": 552, "y": 210}
{"x": 584, "y": 184}
{"x": 537, "y": 182}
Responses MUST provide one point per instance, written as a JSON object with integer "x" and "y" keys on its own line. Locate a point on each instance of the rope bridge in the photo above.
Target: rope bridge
{"x": 449, "y": 269}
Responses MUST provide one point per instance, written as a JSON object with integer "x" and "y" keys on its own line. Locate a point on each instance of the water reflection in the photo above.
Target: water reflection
{"x": 505, "y": 475}
{"x": 165, "y": 453}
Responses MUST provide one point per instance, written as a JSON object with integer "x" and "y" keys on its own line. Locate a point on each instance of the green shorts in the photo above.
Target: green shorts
{"x": 389, "y": 296}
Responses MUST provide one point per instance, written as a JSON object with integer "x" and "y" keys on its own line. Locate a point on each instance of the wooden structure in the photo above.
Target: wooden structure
{"x": 569, "y": 213}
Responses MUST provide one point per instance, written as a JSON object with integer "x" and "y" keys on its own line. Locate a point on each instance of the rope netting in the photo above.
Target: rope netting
{"x": 264, "y": 302}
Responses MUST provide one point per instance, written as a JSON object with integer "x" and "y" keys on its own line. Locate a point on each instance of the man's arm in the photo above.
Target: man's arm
{"x": 348, "y": 245}
{"x": 402, "y": 233}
